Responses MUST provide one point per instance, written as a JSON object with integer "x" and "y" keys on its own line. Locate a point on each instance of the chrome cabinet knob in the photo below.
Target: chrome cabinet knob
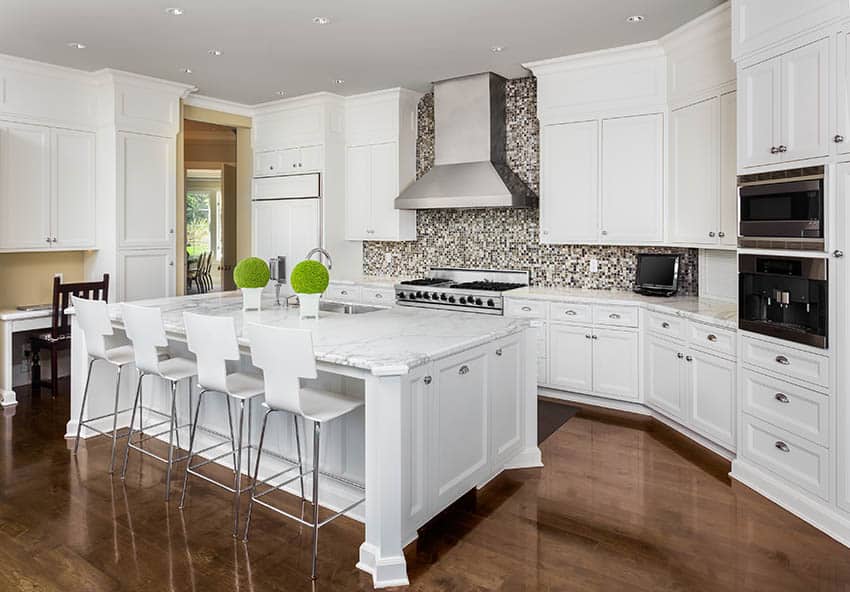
{"x": 783, "y": 148}
{"x": 783, "y": 360}
{"x": 427, "y": 380}
{"x": 689, "y": 359}
{"x": 711, "y": 337}
{"x": 594, "y": 337}
{"x": 499, "y": 352}
{"x": 545, "y": 232}
{"x": 711, "y": 234}
{"x": 782, "y": 398}
{"x": 721, "y": 234}
{"x": 838, "y": 138}
{"x": 838, "y": 253}
{"x": 587, "y": 336}
{"x": 570, "y": 313}
{"x": 665, "y": 325}
{"x": 614, "y": 316}
{"x": 774, "y": 150}
{"x": 680, "y": 355}
{"x": 463, "y": 370}
{"x": 47, "y": 239}
{"x": 604, "y": 232}
{"x": 782, "y": 446}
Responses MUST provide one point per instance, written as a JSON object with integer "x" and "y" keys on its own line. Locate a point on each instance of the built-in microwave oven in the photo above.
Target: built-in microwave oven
{"x": 782, "y": 210}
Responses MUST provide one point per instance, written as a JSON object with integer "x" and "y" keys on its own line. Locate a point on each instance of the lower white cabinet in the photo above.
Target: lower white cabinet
{"x": 571, "y": 355}
{"x": 145, "y": 273}
{"x": 664, "y": 386}
{"x": 505, "y": 381}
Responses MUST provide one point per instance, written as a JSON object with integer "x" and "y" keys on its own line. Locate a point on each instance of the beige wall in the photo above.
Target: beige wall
{"x": 27, "y": 278}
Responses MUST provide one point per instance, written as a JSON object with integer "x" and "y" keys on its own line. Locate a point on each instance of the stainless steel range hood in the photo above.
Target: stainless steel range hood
{"x": 469, "y": 153}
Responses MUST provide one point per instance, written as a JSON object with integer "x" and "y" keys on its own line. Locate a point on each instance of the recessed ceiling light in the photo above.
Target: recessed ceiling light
{"x": 635, "y": 18}
{"x": 174, "y": 11}
{"x": 339, "y": 81}
{"x": 497, "y": 49}
{"x": 214, "y": 52}
{"x": 321, "y": 20}
{"x": 186, "y": 70}
{"x": 281, "y": 93}
{"x": 75, "y": 45}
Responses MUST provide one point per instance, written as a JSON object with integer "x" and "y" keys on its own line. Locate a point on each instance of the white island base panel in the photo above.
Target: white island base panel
{"x": 446, "y": 423}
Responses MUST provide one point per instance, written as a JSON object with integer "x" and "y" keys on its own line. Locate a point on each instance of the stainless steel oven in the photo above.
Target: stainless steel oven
{"x": 784, "y": 212}
{"x": 784, "y": 297}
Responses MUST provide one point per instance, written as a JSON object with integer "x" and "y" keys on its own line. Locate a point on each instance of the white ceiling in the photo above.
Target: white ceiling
{"x": 271, "y": 45}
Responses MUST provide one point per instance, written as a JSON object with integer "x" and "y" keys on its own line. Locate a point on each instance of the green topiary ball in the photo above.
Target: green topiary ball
{"x": 309, "y": 277}
{"x": 251, "y": 272}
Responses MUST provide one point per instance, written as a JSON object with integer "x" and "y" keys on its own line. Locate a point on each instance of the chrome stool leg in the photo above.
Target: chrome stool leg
{"x": 191, "y": 449}
{"x": 316, "y": 430}
{"x": 237, "y": 479}
{"x": 256, "y": 475}
{"x": 300, "y": 462}
{"x": 115, "y": 422}
{"x": 136, "y": 404}
{"x": 83, "y": 406}
{"x": 171, "y": 431}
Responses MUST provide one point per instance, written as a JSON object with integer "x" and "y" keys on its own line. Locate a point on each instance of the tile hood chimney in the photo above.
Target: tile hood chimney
{"x": 469, "y": 153}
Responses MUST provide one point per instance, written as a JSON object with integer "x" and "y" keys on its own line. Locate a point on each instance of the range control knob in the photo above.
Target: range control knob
{"x": 435, "y": 296}
{"x": 401, "y": 295}
{"x": 443, "y": 296}
{"x": 491, "y": 303}
{"x": 426, "y": 296}
{"x": 451, "y": 299}
{"x": 478, "y": 301}
{"x": 462, "y": 300}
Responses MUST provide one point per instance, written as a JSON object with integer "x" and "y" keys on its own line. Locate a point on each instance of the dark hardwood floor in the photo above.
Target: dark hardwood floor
{"x": 617, "y": 507}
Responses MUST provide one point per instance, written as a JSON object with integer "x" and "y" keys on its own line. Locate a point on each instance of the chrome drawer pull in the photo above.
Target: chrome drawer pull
{"x": 665, "y": 325}
{"x": 526, "y": 308}
{"x": 427, "y": 380}
{"x": 379, "y": 295}
{"x": 712, "y": 337}
{"x": 571, "y": 313}
{"x": 783, "y": 360}
{"x": 499, "y": 352}
{"x": 613, "y": 315}
{"x": 782, "y": 398}
{"x": 344, "y": 293}
{"x": 463, "y": 370}
{"x": 782, "y": 446}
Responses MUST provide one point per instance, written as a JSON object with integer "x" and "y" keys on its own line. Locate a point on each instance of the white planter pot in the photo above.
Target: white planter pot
{"x": 251, "y": 298}
{"x": 308, "y": 305}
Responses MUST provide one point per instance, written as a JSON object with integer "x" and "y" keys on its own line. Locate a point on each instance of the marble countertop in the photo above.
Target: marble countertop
{"x": 386, "y": 342}
{"x": 707, "y": 310}
{"x": 378, "y": 281}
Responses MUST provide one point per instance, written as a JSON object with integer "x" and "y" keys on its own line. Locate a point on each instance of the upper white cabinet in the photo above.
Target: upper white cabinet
{"x": 632, "y": 179}
{"x": 380, "y": 157}
{"x": 757, "y": 24}
{"x": 841, "y": 137}
{"x": 703, "y": 204}
{"x": 289, "y": 127}
{"x": 47, "y": 188}
{"x": 302, "y": 159}
{"x": 146, "y": 191}
{"x": 784, "y": 107}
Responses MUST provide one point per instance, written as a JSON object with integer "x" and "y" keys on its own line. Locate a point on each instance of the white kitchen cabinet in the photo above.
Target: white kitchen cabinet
{"x": 841, "y": 138}
{"x": 290, "y": 161}
{"x": 146, "y": 191}
{"x": 505, "y": 381}
{"x": 664, "y": 379}
{"x": 460, "y": 392}
{"x": 728, "y": 234}
{"x": 757, "y": 24}
{"x": 632, "y": 179}
{"x": 784, "y": 104}
{"x": 569, "y": 177}
{"x": 25, "y": 186}
{"x": 285, "y": 227}
{"x": 73, "y": 193}
{"x": 571, "y": 357}
{"x": 615, "y": 363}
{"x": 145, "y": 273}
{"x": 840, "y": 278}
{"x": 267, "y": 164}
{"x": 711, "y": 396}
{"x": 372, "y": 184}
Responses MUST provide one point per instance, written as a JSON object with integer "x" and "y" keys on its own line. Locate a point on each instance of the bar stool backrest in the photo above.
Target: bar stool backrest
{"x": 285, "y": 356}
{"x": 93, "y": 318}
{"x": 143, "y": 325}
{"x": 213, "y": 341}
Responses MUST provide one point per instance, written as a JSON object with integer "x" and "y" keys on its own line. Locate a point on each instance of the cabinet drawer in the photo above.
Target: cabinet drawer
{"x": 379, "y": 296}
{"x": 614, "y": 314}
{"x": 343, "y": 293}
{"x": 525, "y": 308}
{"x": 667, "y": 324}
{"x": 711, "y": 338}
{"x": 799, "y": 410}
{"x": 571, "y": 312}
{"x": 793, "y": 363}
{"x": 792, "y": 458}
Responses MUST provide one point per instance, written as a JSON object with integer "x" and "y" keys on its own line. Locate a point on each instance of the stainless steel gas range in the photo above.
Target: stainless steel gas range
{"x": 468, "y": 290}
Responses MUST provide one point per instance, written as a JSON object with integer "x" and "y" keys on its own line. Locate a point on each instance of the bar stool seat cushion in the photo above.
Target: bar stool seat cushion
{"x": 244, "y": 386}
{"x": 176, "y": 369}
{"x": 120, "y": 356}
{"x": 321, "y": 406}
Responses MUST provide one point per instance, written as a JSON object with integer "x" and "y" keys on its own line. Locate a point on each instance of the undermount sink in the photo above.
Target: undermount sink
{"x": 339, "y": 307}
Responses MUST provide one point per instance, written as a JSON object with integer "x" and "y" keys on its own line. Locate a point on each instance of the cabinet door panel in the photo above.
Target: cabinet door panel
{"x": 285, "y": 227}
{"x": 384, "y": 172}
{"x": 289, "y": 160}
{"x": 267, "y": 163}
{"x": 615, "y": 363}
{"x": 840, "y": 279}
{"x": 358, "y": 192}
{"x": 570, "y": 357}
{"x": 569, "y": 171}
{"x": 146, "y": 187}
{"x": 145, "y": 273}
{"x": 506, "y": 400}
{"x": 712, "y": 398}
{"x": 759, "y": 110}
{"x": 73, "y": 211}
{"x": 805, "y": 102}
{"x": 311, "y": 159}
{"x": 843, "y": 86}
{"x": 25, "y": 186}
{"x": 694, "y": 173}
{"x": 461, "y": 416}
{"x": 632, "y": 179}
{"x": 728, "y": 170}
{"x": 663, "y": 368}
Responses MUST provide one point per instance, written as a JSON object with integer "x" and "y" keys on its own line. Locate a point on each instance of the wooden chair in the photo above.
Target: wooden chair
{"x": 59, "y": 337}
{"x": 192, "y": 270}
{"x": 199, "y": 273}
{"x": 207, "y": 275}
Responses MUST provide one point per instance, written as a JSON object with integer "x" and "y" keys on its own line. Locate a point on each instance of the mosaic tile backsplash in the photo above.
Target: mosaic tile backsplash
{"x": 509, "y": 238}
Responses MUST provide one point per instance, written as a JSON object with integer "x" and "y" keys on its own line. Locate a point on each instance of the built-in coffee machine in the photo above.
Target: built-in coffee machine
{"x": 784, "y": 297}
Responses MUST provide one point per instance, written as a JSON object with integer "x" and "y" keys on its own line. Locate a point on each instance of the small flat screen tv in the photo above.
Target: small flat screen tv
{"x": 657, "y": 275}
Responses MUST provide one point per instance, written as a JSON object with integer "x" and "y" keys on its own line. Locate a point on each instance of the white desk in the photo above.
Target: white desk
{"x": 13, "y": 321}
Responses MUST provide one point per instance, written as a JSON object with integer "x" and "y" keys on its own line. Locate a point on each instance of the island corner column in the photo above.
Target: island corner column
{"x": 382, "y": 553}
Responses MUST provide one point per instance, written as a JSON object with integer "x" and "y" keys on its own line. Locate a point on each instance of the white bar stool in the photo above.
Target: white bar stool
{"x": 286, "y": 356}
{"x": 144, "y": 328}
{"x": 213, "y": 341}
{"x": 93, "y": 318}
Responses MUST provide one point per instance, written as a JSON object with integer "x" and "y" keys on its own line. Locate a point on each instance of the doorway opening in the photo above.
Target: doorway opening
{"x": 210, "y": 206}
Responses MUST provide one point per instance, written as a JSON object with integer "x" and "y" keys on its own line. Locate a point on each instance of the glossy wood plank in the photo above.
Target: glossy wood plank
{"x": 617, "y": 507}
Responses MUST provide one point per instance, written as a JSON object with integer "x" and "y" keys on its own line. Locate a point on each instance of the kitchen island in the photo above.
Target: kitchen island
{"x": 450, "y": 402}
